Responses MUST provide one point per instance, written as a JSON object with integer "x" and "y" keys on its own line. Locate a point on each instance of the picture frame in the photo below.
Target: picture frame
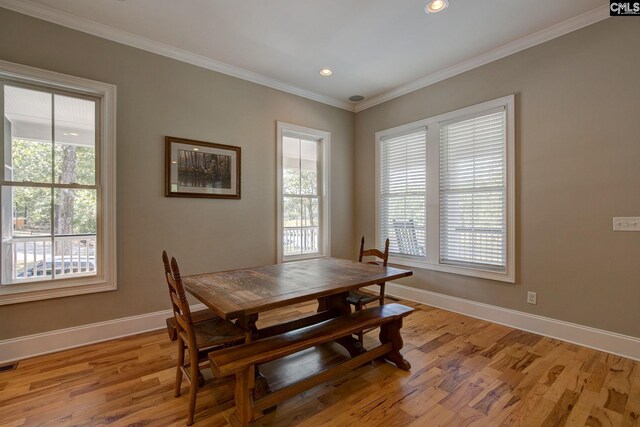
{"x": 201, "y": 169}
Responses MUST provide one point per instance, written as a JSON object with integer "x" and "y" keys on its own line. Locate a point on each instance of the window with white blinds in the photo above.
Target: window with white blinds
{"x": 403, "y": 192}
{"x": 445, "y": 191}
{"x": 473, "y": 191}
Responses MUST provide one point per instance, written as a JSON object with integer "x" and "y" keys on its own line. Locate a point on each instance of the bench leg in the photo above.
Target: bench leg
{"x": 243, "y": 416}
{"x": 390, "y": 333}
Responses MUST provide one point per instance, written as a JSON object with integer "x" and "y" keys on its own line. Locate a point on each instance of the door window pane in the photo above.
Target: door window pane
{"x": 31, "y": 210}
{"x": 26, "y": 233}
{"x": 309, "y": 167}
{"x": 292, "y": 215}
{"x": 75, "y": 211}
{"x": 310, "y": 213}
{"x": 73, "y": 255}
{"x": 75, "y": 133}
{"x": 27, "y": 128}
{"x": 291, "y": 165}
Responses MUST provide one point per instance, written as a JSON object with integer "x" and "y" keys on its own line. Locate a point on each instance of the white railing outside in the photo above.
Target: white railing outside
{"x": 34, "y": 258}
{"x": 300, "y": 240}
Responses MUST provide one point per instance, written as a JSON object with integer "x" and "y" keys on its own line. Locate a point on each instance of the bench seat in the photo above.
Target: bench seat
{"x": 242, "y": 359}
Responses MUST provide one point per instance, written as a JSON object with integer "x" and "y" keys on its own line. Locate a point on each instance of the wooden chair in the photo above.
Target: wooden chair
{"x": 199, "y": 338}
{"x": 360, "y": 299}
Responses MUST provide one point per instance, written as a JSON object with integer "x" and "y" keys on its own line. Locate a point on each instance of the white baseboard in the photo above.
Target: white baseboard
{"x": 598, "y": 339}
{"x": 62, "y": 339}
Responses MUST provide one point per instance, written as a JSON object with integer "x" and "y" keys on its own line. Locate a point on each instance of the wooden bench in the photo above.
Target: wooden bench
{"x": 241, "y": 360}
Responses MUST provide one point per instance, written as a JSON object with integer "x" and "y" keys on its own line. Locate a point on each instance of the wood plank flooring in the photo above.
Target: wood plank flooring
{"x": 465, "y": 372}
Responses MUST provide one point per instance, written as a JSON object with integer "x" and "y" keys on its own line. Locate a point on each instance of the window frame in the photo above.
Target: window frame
{"x": 432, "y": 259}
{"x": 324, "y": 189}
{"x": 105, "y": 95}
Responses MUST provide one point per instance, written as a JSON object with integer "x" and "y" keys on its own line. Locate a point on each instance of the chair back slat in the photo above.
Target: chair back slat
{"x": 180, "y": 305}
{"x": 180, "y": 321}
{"x": 373, "y": 252}
{"x": 383, "y": 256}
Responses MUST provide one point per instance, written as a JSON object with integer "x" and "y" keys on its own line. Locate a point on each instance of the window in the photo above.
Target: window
{"x": 445, "y": 191}
{"x": 403, "y": 192}
{"x": 57, "y": 188}
{"x": 303, "y": 187}
{"x": 473, "y": 191}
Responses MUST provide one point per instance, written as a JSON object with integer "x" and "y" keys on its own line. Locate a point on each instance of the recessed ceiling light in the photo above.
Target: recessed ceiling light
{"x": 73, "y": 134}
{"x": 174, "y": 162}
{"x": 436, "y": 6}
{"x": 356, "y": 98}
{"x": 196, "y": 149}
{"x": 326, "y": 72}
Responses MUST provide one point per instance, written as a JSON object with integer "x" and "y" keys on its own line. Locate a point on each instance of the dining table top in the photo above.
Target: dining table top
{"x": 236, "y": 293}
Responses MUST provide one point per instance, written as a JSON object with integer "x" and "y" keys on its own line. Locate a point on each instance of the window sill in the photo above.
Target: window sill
{"x": 463, "y": 271}
{"x": 34, "y": 291}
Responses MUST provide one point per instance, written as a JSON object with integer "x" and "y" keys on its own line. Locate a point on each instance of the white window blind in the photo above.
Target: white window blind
{"x": 403, "y": 190}
{"x": 473, "y": 191}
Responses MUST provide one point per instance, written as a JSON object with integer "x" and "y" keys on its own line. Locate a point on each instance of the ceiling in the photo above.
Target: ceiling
{"x": 376, "y": 48}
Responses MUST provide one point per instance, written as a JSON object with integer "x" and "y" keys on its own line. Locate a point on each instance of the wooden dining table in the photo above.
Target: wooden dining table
{"x": 241, "y": 295}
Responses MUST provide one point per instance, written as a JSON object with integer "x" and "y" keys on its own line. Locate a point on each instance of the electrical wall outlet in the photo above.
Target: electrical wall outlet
{"x": 532, "y": 298}
{"x": 626, "y": 223}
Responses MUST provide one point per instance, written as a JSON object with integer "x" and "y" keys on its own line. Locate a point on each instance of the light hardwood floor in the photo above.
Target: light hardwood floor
{"x": 464, "y": 372}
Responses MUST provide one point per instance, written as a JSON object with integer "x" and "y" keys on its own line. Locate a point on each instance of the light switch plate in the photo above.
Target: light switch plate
{"x": 626, "y": 223}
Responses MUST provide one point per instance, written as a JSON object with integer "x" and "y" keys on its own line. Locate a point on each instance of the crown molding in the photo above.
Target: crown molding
{"x": 27, "y": 7}
{"x": 46, "y": 13}
{"x": 557, "y": 30}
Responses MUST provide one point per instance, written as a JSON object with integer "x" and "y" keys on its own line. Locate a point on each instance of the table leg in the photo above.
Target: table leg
{"x": 339, "y": 302}
{"x": 261, "y": 387}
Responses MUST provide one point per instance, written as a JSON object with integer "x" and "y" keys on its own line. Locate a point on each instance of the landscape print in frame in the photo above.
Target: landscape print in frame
{"x": 201, "y": 169}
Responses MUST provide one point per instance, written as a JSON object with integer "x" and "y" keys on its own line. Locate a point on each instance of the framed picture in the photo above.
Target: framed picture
{"x": 201, "y": 169}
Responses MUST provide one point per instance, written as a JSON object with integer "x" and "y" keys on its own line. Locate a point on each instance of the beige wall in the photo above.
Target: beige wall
{"x": 157, "y": 97}
{"x": 577, "y": 163}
